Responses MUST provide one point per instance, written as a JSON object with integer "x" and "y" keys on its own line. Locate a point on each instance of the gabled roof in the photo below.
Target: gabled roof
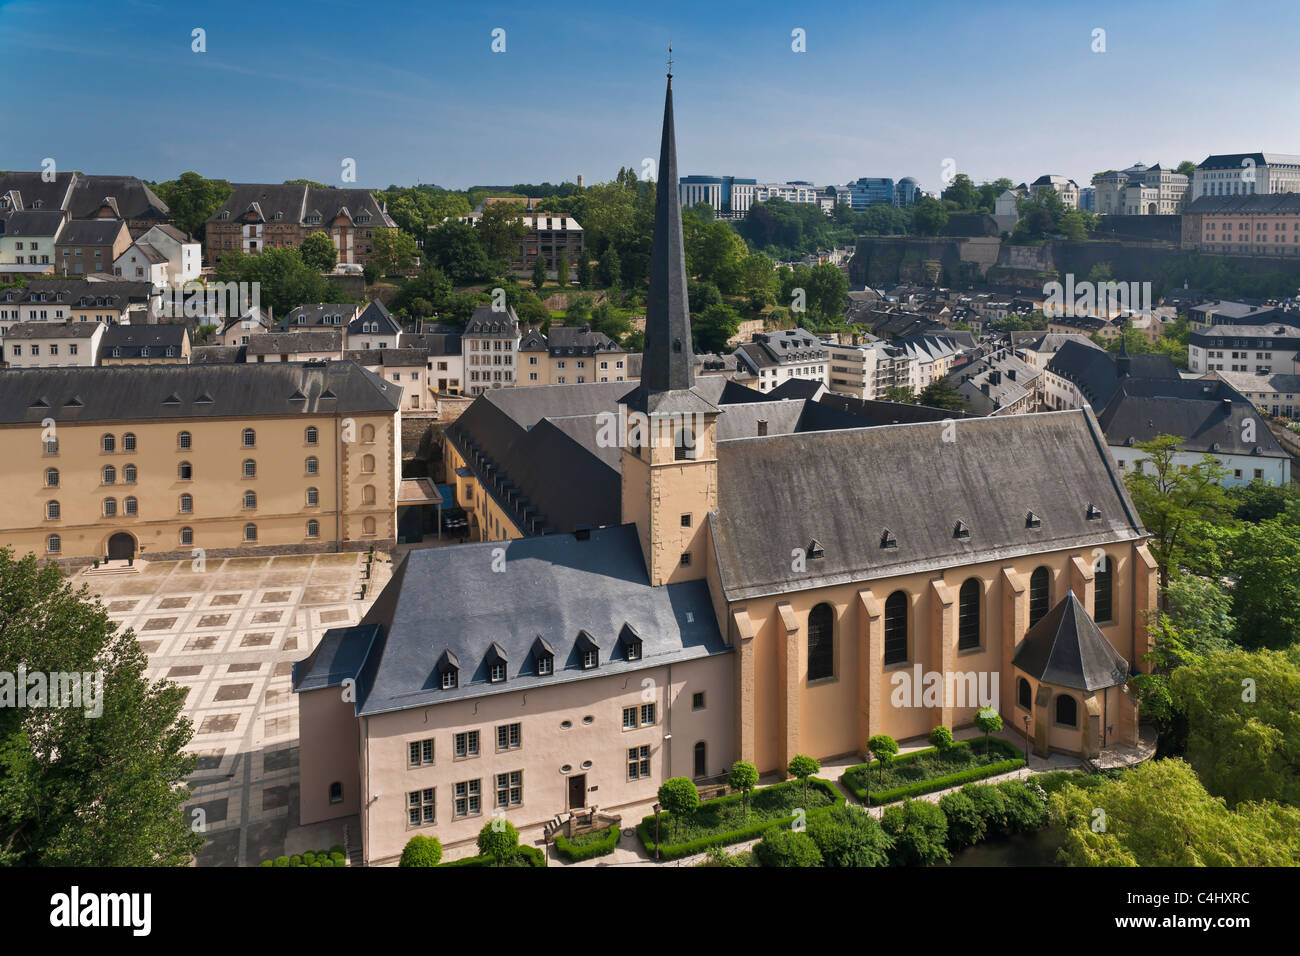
{"x": 374, "y": 312}
{"x": 52, "y": 330}
{"x": 1067, "y": 649}
{"x": 91, "y": 232}
{"x": 1208, "y": 414}
{"x": 485, "y": 322}
{"x": 1096, "y": 374}
{"x": 32, "y": 222}
{"x": 286, "y": 343}
{"x": 130, "y": 339}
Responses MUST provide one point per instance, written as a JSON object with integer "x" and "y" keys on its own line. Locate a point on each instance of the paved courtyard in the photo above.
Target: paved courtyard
{"x": 229, "y": 632}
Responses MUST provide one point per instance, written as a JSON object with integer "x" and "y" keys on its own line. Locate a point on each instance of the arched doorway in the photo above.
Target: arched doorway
{"x": 121, "y": 546}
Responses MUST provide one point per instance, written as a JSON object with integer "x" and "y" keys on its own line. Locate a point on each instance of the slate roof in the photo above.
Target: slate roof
{"x": 433, "y": 343}
{"x": 32, "y": 222}
{"x": 1095, "y": 372}
{"x": 320, "y": 313}
{"x": 216, "y": 354}
{"x": 82, "y": 195}
{"x": 567, "y": 340}
{"x": 874, "y": 412}
{"x": 1208, "y": 414}
{"x": 52, "y": 330}
{"x": 1245, "y": 205}
{"x": 1067, "y": 649}
{"x": 445, "y": 604}
{"x": 1234, "y": 160}
{"x": 789, "y": 347}
{"x": 375, "y": 312}
{"x": 150, "y": 254}
{"x": 144, "y": 392}
{"x": 81, "y": 293}
{"x": 287, "y": 343}
{"x": 485, "y": 323}
{"x": 775, "y": 494}
{"x": 388, "y": 357}
{"x": 91, "y": 232}
{"x": 130, "y": 339}
{"x": 296, "y": 203}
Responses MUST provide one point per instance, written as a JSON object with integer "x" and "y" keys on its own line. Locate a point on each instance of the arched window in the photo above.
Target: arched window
{"x": 187, "y": 504}
{"x": 51, "y": 477}
{"x": 128, "y": 442}
{"x": 250, "y": 500}
{"x": 110, "y": 507}
{"x": 250, "y": 438}
{"x": 1101, "y": 595}
{"x": 701, "y": 759}
{"x": 1040, "y": 594}
{"x": 313, "y": 497}
{"x": 250, "y": 532}
{"x": 110, "y": 475}
{"x": 52, "y": 510}
{"x": 368, "y": 434}
{"x": 250, "y": 468}
{"x": 54, "y": 544}
{"x": 131, "y": 506}
{"x": 108, "y": 443}
{"x": 51, "y": 446}
{"x": 968, "y": 615}
{"x": 896, "y": 628}
{"x": 368, "y": 495}
{"x": 183, "y": 441}
{"x": 367, "y": 464}
{"x": 1024, "y": 694}
{"x": 128, "y": 474}
{"x": 821, "y": 642}
{"x": 1067, "y": 711}
{"x": 313, "y": 466}
{"x": 187, "y": 536}
{"x": 368, "y": 526}
{"x": 185, "y": 471}
{"x": 313, "y": 528}
{"x": 312, "y": 435}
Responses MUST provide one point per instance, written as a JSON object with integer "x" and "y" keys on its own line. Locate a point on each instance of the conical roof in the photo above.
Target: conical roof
{"x": 1067, "y": 649}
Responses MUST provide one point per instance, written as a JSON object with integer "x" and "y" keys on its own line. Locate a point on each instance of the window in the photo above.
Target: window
{"x": 629, "y": 718}
{"x": 510, "y": 788}
{"x": 51, "y": 446}
{"x": 128, "y": 442}
{"x": 686, "y": 521}
{"x": 420, "y": 752}
{"x": 1067, "y": 711}
{"x": 368, "y": 434}
{"x": 187, "y": 504}
{"x": 108, "y": 443}
{"x": 109, "y": 475}
{"x": 131, "y": 506}
{"x": 701, "y": 759}
{"x": 185, "y": 471}
{"x": 968, "y": 615}
{"x": 1023, "y": 694}
{"x": 697, "y": 700}
{"x": 336, "y": 792}
{"x": 509, "y": 736}
{"x": 187, "y": 536}
{"x": 250, "y": 532}
{"x": 638, "y": 762}
{"x": 420, "y": 807}
{"x": 449, "y": 678}
{"x": 110, "y": 507}
{"x": 467, "y": 798}
{"x": 313, "y": 497}
{"x": 128, "y": 474}
{"x": 821, "y": 642}
{"x": 250, "y": 468}
{"x": 250, "y": 438}
{"x": 545, "y": 665}
{"x": 467, "y": 744}
{"x": 51, "y": 477}
{"x": 589, "y": 660}
{"x": 183, "y": 441}
{"x": 52, "y": 510}
{"x": 896, "y": 628}
{"x": 367, "y": 464}
{"x": 312, "y": 435}
{"x": 1039, "y": 594}
{"x": 1101, "y": 597}
{"x": 313, "y": 528}
{"x": 497, "y": 672}
{"x": 368, "y": 495}
{"x": 685, "y": 560}
{"x": 53, "y": 544}
{"x": 313, "y": 466}
{"x": 368, "y": 526}
{"x": 250, "y": 500}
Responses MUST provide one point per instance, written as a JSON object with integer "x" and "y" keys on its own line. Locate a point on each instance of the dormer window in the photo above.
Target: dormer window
{"x": 960, "y": 530}
{"x": 887, "y": 539}
{"x": 496, "y": 661}
{"x": 631, "y": 641}
{"x": 1093, "y": 512}
{"x": 543, "y": 657}
{"x": 498, "y": 673}
{"x": 589, "y": 650}
{"x": 589, "y": 660}
{"x": 815, "y": 549}
{"x": 449, "y": 678}
{"x": 448, "y": 668}
{"x": 1033, "y": 521}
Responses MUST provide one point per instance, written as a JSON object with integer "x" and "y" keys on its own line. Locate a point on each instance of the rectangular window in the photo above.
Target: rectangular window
{"x": 647, "y": 714}
{"x": 420, "y": 807}
{"x": 697, "y": 700}
{"x": 629, "y": 718}
{"x": 420, "y": 752}
{"x": 467, "y": 798}
{"x": 510, "y": 788}
{"x": 638, "y": 762}
{"x": 509, "y": 736}
{"x": 467, "y": 744}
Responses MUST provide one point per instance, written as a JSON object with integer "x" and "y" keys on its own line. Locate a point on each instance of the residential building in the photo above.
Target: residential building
{"x": 406, "y": 367}
{"x": 76, "y": 300}
{"x": 930, "y": 357}
{"x": 322, "y": 315}
{"x": 1246, "y": 174}
{"x": 772, "y": 358}
{"x": 164, "y": 255}
{"x": 868, "y": 370}
{"x": 1276, "y": 393}
{"x": 52, "y": 344}
{"x": 1255, "y": 349}
{"x": 1065, "y": 188}
{"x": 321, "y": 345}
{"x": 91, "y": 245}
{"x": 145, "y": 345}
{"x": 374, "y": 328}
{"x": 569, "y": 356}
{"x": 83, "y": 196}
{"x": 27, "y": 239}
{"x": 491, "y": 345}
{"x": 238, "y": 329}
{"x": 550, "y": 235}
{"x": 444, "y": 359}
{"x": 259, "y": 216}
{"x": 1255, "y": 225}
{"x": 1000, "y": 383}
{"x": 1141, "y": 190}
{"x": 1220, "y": 312}
{"x": 1079, "y": 375}
{"x": 156, "y": 461}
{"x": 1037, "y": 348}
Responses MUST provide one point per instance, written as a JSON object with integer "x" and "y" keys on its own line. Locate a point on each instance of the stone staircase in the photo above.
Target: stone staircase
{"x": 110, "y": 568}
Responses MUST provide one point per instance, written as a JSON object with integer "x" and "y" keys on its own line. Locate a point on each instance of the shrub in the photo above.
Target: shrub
{"x": 990, "y": 804}
{"x": 1056, "y": 780}
{"x": 586, "y": 851}
{"x": 782, "y": 847}
{"x": 295, "y": 860}
{"x": 267, "y": 863}
{"x": 941, "y": 737}
{"x": 308, "y": 858}
{"x": 281, "y": 861}
{"x": 847, "y": 836}
{"x": 965, "y": 825}
{"x": 678, "y": 797}
{"x": 921, "y": 834}
{"x": 883, "y": 747}
{"x": 989, "y": 721}
{"x": 1026, "y": 806}
{"x": 498, "y": 840}
{"x": 803, "y": 767}
{"x": 855, "y": 778}
{"x": 524, "y": 856}
{"x": 422, "y": 851}
{"x": 337, "y": 850}
{"x": 743, "y": 777}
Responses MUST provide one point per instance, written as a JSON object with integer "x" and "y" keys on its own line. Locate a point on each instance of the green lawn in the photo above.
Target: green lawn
{"x": 715, "y": 817}
{"x": 931, "y": 764}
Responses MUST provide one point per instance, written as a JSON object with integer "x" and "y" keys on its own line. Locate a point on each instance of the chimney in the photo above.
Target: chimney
{"x": 762, "y": 427}
{"x": 1227, "y": 406}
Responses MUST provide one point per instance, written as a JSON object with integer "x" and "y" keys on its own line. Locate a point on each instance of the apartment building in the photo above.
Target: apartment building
{"x": 1253, "y": 349}
{"x": 320, "y": 345}
{"x": 773, "y": 358}
{"x": 407, "y": 367}
{"x": 52, "y": 344}
{"x": 491, "y": 345}
{"x": 158, "y": 460}
{"x": 27, "y": 239}
{"x": 83, "y": 196}
{"x": 164, "y": 255}
{"x": 869, "y": 370}
{"x": 570, "y": 356}
{"x": 1000, "y": 383}
{"x": 145, "y": 345}
{"x": 1258, "y": 225}
{"x": 1276, "y": 393}
{"x": 444, "y": 360}
{"x": 1141, "y": 190}
{"x": 88, "y": 246}
{"x": 1246, "y": 174}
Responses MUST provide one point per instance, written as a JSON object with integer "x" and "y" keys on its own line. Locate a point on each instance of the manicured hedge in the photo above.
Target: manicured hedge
{"x": 878, "y": 797}
{"x": 319, "y": 858}
{"x": 645, "y": 830}
{"x": 586, "y": 851}
{"x": 530, "y": 855}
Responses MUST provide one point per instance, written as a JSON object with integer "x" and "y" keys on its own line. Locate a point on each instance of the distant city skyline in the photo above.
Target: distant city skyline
{"x": 417, "y": 94}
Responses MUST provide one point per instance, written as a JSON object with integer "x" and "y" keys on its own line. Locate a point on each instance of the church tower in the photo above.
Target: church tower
{"x": 669, "y": 447}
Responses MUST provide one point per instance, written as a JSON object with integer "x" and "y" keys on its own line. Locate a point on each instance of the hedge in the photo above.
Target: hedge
{"x": 586, "y": 851}
{"x": 532, "y": 856}
{"x": 318, "y": 858}
{"x": 645, "y": 830}
{"x": 877, "y": 798}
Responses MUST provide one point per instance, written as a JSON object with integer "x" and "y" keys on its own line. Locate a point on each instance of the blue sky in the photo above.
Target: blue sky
{"x": 415, "y": 93}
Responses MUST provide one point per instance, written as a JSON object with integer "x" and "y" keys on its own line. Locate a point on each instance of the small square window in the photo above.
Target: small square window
{"x": 686, "y": 521}
{"x": 697, "y": 700}
{"x": 686, "y": 559}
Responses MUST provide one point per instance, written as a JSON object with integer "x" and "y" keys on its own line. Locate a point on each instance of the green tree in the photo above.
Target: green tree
{"x": 499, "y": 840}
{"x": 318, "y": 252}
{"x": 929, "y": 216}
{"x": 420, "y": 308}
{"x": 782, "y": 847}
{"x": 454, "y": 248}
{"x": 966, "y": 825}
{"x": 1266, "y": 597}
{"x": 802, "y": 767}
{"x": 611, "y": 268}
{"x": 962, "y": 193}
{"x": 883, "y": 747}
{"x": 989, "y": 721}
{"x": 562, "y": 269}
{"x": 500, "y": 228}
{"x": 714, "y": 327}
{"x": 920, "y": 833}
{"x": 941, "y": 737}
{"x": 941, "y": 393}
{"x": 678, "y": 797}
{"x": 578, "y": 312}
{"x": 193, "y": 200}
{"x": 848, "y": 836}
{"x": 900, "y": 393}
{"x": 539, "y": 272}
{"x": 76, "y": 790}
{"x": 586, "y": 275}
{"x": 392, "y": 249}
{"x": 421, "y": 850}
{"x": 285, "y": 281}
{"x": 1186, "y": 168}
{"x": 743, "y": 777}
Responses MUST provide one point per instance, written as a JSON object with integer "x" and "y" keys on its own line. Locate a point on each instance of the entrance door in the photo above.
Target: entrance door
{"x": 121, "y": 546}
{"x": 578, "y": 791}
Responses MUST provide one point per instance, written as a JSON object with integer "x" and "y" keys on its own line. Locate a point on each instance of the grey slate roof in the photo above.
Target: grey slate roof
{"x": 391, "y": 357}
{"x": 1245, "y": 205}
{"x": 130, "y": 339}
{"x": 52, "y": 330}
{"x": 295, "y": 203}
{"x": 319, "y": 314}
{"x": 1067, "y": 649}
{"x": 844, "y": 488}
{"x": 375, "y": 312}
{"x": 485, "y": 323}
{"x": 91, "y": 232}
{"x": 32, "y": 222}
{"x": 82, "y": 195}
{"x": 446, "y": 604}
{"x": 1095, "y": 372}
{"x": 433, "y": 343}
{"x": 144, "y": 392}
{"x": 1208, "y": 414}
{"x": 216, "y": 354}
{"x": 287, "y": 343}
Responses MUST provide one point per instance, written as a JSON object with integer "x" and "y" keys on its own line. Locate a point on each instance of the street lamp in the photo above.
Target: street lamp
{"x": 656, "y": 831}
{"x": 1026, "y": 742}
